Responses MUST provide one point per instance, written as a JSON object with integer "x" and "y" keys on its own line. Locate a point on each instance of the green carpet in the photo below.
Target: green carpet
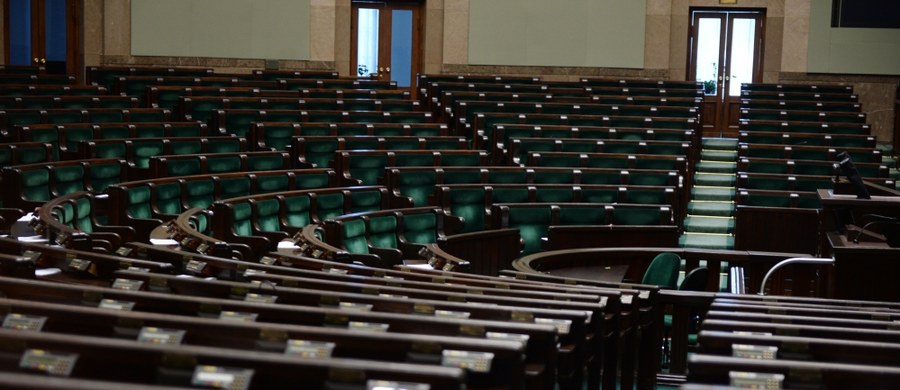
{"x": 720, "y": 143}
{"x": 704, "y": 224}
{"x": 716, "y": 209}
{"x": 706, "y": 241}
{"x": 717, "y": 166}
{"x": 714, "y": 179}
{"x": 718, "y": 155}
{"x": 723, "y": 194}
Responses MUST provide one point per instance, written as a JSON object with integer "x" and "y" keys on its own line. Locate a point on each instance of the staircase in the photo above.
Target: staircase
{"x": 709, "y": 223}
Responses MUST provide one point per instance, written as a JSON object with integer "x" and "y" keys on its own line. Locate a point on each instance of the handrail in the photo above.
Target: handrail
{"x": 786, "y": 262}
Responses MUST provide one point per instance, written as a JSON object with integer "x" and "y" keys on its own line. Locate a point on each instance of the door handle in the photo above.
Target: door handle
{"x": 388, "y": 69}
{"x": 380, "y": 69}
{"x": 43, "y": 60}
{"x": 36, "y": 60}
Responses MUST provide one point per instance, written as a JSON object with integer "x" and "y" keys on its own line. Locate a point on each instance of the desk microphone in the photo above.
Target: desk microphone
{"x": 883, "y": 219}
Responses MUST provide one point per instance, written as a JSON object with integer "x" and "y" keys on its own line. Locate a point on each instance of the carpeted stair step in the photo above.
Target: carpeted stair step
{"x": 716, "y": 209}
{"x": 718, "y": 155}
{"x": 717, "y": 166}
{"x": 706, "y": 241}
{"x": 705, "y": 224}
{"x": 714, "y": 179}
{"x": 722, "y": 194}
{"x": 720, "y": 143}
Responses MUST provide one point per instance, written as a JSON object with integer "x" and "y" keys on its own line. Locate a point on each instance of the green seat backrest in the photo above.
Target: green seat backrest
{"x": 369, "y": 200}
{"x": 554, "y": 177}
{"x": 223, "y": 164}
{"x": 157, "y": 131}
{"x": 320, "y": 152}
{"x": 656, "y": 163}
{"x": 83, "y": 218}
{"x": 234, "y": 187}
{"x": 110, "y": 150}
{"x": 813, "y": 184}
{"x": 272, "y": 183}
{"x": 111, "y": 132}
{"x": 582, "y": 215}
{"x": 183, "y": 167}
{"x": 533, "y": 223}
{"x": 268, "y": 217}
{"x": 32, "y": 154}
{"x": 809, "y": 201}
{"x": 75, "y": 134}
{"x": 504, "y": 176}
{"x": 68, "y": 179}
{"x": 767, "y": 183}
{"x": 367, "y": 168}
{"x": 767, "y": 200}
{"x": 265, "y": 163}
{"x": 815, "y": 154}
{"x": 36, "y": 185}
{"x": 468, "y": 203}
{"x": 462, "y": 176}
{"x": 61, "y": 117}
{"x": 460, "y": 160}
{"x": 329, "y": 205}
{"x": 278, "y": 137}
{"x": 296, "y": 210}
{"x": 819, "y": 169}
{"x": 167, "y": 198}
{"x": 646, "y": 196}
{"x": 354, "y": 236}
{"x": 65, "y": 214}
{"x": 413, "y": 160}
{"x": 599, "y": 195}
{"x": 242, "y": 219}
{"x": 183, "y": 146}
{"x": 510, "y": 195}
{"x": 238, "y": 123}
{"x": 601, "y": 177}
{"x": 138, "y": 203}
{"x": 146, "y": 148}
{"x": 418, "y": 185}
{"x": 199, "y": 192}
{"x": 104, "y": 174}
{"x": 186, "y": 130}
{"x": 6, "y": 157}
{"x": 361, "y": 143}
{"x": 663, "y": 271}
{"x": 768, "y": 167}
{"x": 622, "y": 147}
{"x": 650, "y": 179}
{"x": 554, "y": 195}
{"x": 383, "y": 231}
{"x": 636, "y": 216}
{"x": 665, "y": 149}
{"x": 22, "y": 118}
{"x": 312, "y": 180}
{"x": 608, "y": 162}
{"x": 420, "y": 228}
{"x": 109, "y": 116}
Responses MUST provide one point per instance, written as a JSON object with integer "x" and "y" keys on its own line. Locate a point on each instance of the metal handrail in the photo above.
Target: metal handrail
{"x": 793, "y": 260}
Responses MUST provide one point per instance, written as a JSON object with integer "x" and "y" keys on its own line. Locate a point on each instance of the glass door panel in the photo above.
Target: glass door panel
{"x": 743, "y": 39}
{"x": 400, "y": 68}
{"x": 55, "y": 47}
{"x": 19, "y": 22}
{"x": 709, "y": 39}
{"x": 367, "y": 42}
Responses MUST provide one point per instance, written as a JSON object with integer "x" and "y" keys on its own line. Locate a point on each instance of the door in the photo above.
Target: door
{"x": 726, "y": 49}
{"x": 42, "y": 32}
{"x": 386, "y": 41}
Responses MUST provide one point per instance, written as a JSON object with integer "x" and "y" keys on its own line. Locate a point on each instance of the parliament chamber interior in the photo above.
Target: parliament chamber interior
{"x": 449, "y": 194}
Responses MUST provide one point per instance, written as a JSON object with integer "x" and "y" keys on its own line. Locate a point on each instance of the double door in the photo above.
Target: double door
{"x": 42, "y": 33}
{"x": 386, "y": 41}
{"x": 726, "y": 50}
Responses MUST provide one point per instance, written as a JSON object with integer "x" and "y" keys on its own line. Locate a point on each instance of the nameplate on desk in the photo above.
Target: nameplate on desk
{"x": 367, "y": 326}
{"x": 238, "y": 316}
{"x": 24, "y": 322}
{"x": 755, "y": 380}
{"x": 562, "y": 325}
{"x": 451, "y": 314}
{"x": 222, "y": 377}
{"x": 56, "y": 364}
{"x": 127, "y": 284}
{"x": 309, "y": 349}
{"x": 507, "y": 336}
{"x": 470, "y": 360}
{"x": 266, "y": 260}
{"x": 153, "y": 335}
{"x": 759, "y": 352}
{"x": 353, "y": 306}
{"x": 260, "y": 298}
{"x": 113, "y": 304}
{"x": 373, "y": 384}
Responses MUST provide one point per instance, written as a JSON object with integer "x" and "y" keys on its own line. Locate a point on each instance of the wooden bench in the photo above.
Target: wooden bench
{"x": 38, "y": 183}
{"x": 778, "y": 104}
{"x": 519, "y": 148}
{"x": 278, "y": 135}
{"x": 817, "y": 139}
{"x": 238, "y": 121}
{"x": 319, "y": 151}
{"x": 368, "y": 166}
{"x": 67, "y": 138}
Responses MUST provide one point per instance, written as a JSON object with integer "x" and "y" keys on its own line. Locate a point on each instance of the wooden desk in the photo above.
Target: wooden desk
{"x": 867, "y": 270}
{"x": 607, "y": 273}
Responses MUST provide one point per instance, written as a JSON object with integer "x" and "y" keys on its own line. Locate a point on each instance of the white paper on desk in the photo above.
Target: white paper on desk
{"x": 44, "y": 272}
{"x": 419, "y": 266}
{"x": 33, "y": 239}
{"x": 285, "y": 244}
{"x": 164, "y": 241}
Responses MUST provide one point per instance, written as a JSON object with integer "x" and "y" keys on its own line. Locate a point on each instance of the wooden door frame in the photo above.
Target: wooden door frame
{"x": 721, "y": 98}
{"x": 73, "y": 34}
{"x": 384, "y": 33}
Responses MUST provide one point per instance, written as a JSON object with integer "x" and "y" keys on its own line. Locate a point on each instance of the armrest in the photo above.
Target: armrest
{"x": 389, "y": 256}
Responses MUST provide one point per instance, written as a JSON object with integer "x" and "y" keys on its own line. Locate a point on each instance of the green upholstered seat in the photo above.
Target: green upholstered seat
{"x": 83, "y": 217}
{"x": 554, "y": 195}
{"x": 601, "y": 177}
{"x": 312, "y": 180}
{"x": 767, "y": 199}
{"x": 329, "y": 205}
{"x": 354, "y": 236}
{"x": 199, "y": 192}
{"x": 268, "y": 217}
{"x": 111, "y": 150}
{"x": 297, "y": 210}
{"x": 468, "y": 203}
{"x": 365, "y": 200}
{"x": 144, "y": 149}
{"x": 367, "y": 168}
{"x": 418, "y": 185}
{"x": 36, "y": 185}
{"x": 420, "y": 228}
{"x": 117, "y": 131}
{"x": 647, "y": 196}
{"x": 104, "y": 174}
{"x": 183, "y": 167}
{"x": 223, "y": 163}
{"x": 599, "y": 195}
{"x": 154, "y": 131}
{"x": 651, "y": 179}
{"x": 767, "y": 183}
{"x": 582, "y": 215}
{"x": 278, "y": 137}
{"x": 67, "y": 179}
{"x": 509, "y": 195}
{"x": 232, "y": 187}
{"x": 138, "y": 204}
{"x": 273, "y": 183}
{"x": 167, "y": 198}
{"x": 383, "y": 231}
{"x": 636, "y": 216}
{"x": 557, "y": 177}
{"x": 180, "y": 146}
{"x": 608, "y": 162}
{"x": 319, "y": 152}
{"x": 462, "y": 176}
{"x": 242, "y": 219}
{"x": 533, "y": 223}
{"x": 663, "y": 271}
